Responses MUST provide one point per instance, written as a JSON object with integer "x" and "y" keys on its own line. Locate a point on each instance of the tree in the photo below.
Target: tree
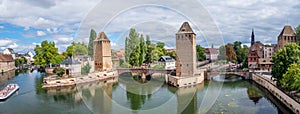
{"x": 298, "y": 33}
{"x": 230, "y": 53}
{"x": 291, "y": 79}
{"x": 20, "y": 61}
{"x": 86, "y": 69}
{"x": 283, "y": 58}
{"x": 222, "y": 53}
{"x": 59, "y": 71}
{"x": 149, "y": 50}
{"x": 244, "y": 55}
{"x": 76, "y": 49}
{"x": 134, "y": 57}
{"x": 200, "y": 52}
{"x": 161, "y": 51}
{"x": 93, "y": 36}
{"x": 142, "y": 50}
{"x": 237, "y": 46}
{"x": 171, "y": 54}
{"x": 46, "y": 53}
{"x": 130, "y": 43}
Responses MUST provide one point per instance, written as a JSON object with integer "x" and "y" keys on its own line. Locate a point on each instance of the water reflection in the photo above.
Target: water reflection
{"x": 254, "y": 94}
{"x": 5, "y": 76}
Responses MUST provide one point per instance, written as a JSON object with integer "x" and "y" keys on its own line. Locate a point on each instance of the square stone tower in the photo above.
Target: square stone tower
{"x": 187, "y": 73}
{"x": 102, "y": 53}
{"x": 185, "y": 51}
{"x": 287, "y": 35}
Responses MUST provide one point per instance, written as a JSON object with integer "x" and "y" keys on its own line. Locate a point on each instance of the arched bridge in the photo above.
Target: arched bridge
{"x": 143, "y": 71}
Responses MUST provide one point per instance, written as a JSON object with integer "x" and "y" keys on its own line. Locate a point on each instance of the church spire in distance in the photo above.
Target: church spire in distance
{"x": 252, "y": 37}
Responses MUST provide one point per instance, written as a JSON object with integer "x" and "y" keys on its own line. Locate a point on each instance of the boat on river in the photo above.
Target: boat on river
{"x": 9, "y": 90}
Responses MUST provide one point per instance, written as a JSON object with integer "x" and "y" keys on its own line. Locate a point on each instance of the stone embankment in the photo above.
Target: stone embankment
{"x": 284, "y": 98}
{"x": 100, "y": 76}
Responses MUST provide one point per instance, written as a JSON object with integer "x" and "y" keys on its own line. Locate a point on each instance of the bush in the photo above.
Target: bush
{"x": 59, "y": 71}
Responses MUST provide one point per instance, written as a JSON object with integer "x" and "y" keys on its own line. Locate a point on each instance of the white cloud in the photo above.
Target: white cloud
{"x": 1, "y": 27}
{"x": 40, "y": 33}
{"x": 14, "y": 45}
{"x": 5, "y": 42}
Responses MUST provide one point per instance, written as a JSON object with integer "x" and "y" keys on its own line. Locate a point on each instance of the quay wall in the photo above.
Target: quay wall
{"x": 284, "y": 98}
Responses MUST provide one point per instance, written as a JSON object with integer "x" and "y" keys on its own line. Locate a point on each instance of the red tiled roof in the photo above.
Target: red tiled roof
{"x": 6, "y": 58}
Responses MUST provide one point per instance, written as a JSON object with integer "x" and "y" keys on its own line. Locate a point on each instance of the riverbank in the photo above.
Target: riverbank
{"x": 92, "y": 77}
{"x": 271, "y": 87}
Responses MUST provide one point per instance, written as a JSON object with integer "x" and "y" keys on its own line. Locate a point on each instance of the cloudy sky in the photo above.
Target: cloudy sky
{"x": 25, "y": 23}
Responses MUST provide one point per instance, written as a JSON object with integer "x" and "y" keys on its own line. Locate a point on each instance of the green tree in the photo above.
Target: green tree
{"x": 283, "y": 58}
{"x": 298, "y": 33}
{"x": 93, "y": 36}
{"x": 161, "y": 51}
{"x": 131, "y": 43}
{"x": 237, "y": 46}
{"x": 75, "y": 49}
{"x": 244, "y": 55}
{"x": 200, "y": 52}
{"x": 149, "y": 50}
{"x": 142, "y": 50}
{"x": 222, "y": 53}
{"x": 20, "y": 61}
{"x": 86, "y": 69}
{"x": 171, "y": 54}
{"x": 134, "y": 57}
{"x": 46, "y": 53}
{"x": 59, "y": 71}
{"x": 230, "y": 53}
{"x": 291, "y": 79}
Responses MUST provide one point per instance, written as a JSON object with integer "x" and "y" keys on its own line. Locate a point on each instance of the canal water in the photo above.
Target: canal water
{"x": 133, "y": 95}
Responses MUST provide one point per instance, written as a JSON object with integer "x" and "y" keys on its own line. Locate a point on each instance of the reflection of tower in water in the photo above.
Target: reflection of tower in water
{"x": 187, "y": 102}
{"x": 97, "y": 96}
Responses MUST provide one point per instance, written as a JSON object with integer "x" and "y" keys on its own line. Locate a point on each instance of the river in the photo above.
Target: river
{"x": 132, "y": 95}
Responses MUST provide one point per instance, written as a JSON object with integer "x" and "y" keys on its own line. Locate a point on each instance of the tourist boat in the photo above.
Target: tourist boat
{"x": 8, "y": 91}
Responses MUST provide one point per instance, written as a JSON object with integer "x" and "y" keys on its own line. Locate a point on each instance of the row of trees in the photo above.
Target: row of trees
{"x": 139, "y": 51}
{"x": 235, "y": 53}
{"x": 47, "y": 53}
{"x": 286, "y": 66}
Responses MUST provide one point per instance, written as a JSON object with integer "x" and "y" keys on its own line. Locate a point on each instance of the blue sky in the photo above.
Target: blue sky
{"x": 25, "y": 23}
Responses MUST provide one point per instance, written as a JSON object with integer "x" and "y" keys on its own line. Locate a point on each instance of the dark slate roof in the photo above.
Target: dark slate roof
{"x": 6, "y": 58}
{"x": 70, "y": 61}
{"x": 287, "y": 31}
{"x": 166, "y": 59}
{"x": 102, "y": 36}
{"x": 185, "y": 28}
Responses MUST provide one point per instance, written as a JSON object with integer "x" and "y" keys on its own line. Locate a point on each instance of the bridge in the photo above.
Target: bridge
{"x": 142, "y": 71}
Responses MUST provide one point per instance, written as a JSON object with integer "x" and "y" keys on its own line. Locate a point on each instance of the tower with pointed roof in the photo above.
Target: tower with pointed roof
{"x": 252, "y": 38}
{"x": 102, "y": 53}
{"x": 186, "y": 71}
{"x": 287, "y": 35}
{"x": 185, "y": 51}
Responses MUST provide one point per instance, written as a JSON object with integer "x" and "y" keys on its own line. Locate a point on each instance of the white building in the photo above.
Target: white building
{"x": 167, "y": 61}
{"x": 72, "y": 66}
{"x": 10, "y": 51}
{"x": 211, "y": 54}
{"x": 268, "y": 51}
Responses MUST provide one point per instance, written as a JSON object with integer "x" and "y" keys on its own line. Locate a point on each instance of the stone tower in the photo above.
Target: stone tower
{"x": 102, "y": 53}
{"x": 287, "y": 35}
{"x": 185, "y": 51}
{"x": 252, "y": 38}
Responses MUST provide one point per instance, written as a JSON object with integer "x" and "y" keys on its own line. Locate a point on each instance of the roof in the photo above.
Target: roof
{"x": 6, "y": 58}
{"x": 70, "y": 61}
{"x": 166, "y": 59}
{"x": 211, "y": 51}
{"x": 258, "y": 48}
{"x": 102, "y": 36}
{"x": 185, "y": 28}
{"x": 287, "y": 31}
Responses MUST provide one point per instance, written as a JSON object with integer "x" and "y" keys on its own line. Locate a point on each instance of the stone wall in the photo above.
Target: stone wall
{"x": 285, "y": 99}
